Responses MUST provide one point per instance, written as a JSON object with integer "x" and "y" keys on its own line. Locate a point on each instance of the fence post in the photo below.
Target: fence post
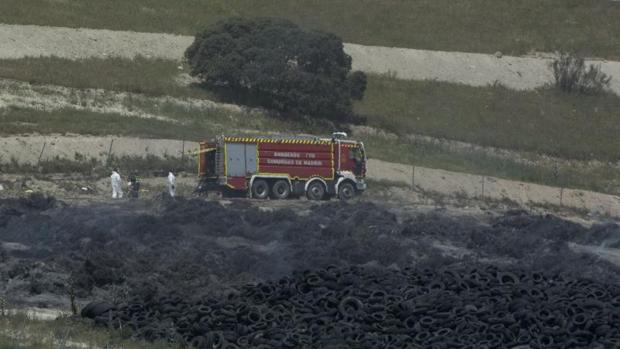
{"x": 482, "y": 196}
{"x": 107, "y": 160}
{"x": 561, "y": 196}
{"x": 41, "y": 153}
{"x": 412, "y": 177}
{"x": 183, "y": 151}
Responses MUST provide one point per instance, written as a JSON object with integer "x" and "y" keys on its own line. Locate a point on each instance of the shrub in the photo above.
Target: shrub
{"x": 276, "y": 64}
{"x": 572, "y": 75}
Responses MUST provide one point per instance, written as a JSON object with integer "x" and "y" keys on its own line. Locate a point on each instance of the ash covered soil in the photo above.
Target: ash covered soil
{"x": 231, "y": 274}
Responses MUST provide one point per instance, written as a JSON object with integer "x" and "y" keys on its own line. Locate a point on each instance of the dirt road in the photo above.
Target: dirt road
{"x": 29, "y": 149}
{"x": 473, "y": 69}
{"x": 19, "y": 41}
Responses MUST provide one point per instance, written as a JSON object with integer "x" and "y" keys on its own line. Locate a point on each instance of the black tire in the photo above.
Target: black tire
{"x": 260, "y": 189}
{"x": 346, "y": 191}
{"x": 350, "y": 307}
{"x": 508, "y": 279}
{"x": 281, "y": 190}
{"x": 92, "y": 310}
{"x": 316, "y": 191}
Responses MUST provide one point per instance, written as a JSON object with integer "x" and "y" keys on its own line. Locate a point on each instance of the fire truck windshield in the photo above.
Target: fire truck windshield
{"x": 356, "y": 154}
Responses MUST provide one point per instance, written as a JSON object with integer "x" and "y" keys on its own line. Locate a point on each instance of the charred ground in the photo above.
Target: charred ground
{"x": 191, "y": 246}
{"x": 139, "y": 251}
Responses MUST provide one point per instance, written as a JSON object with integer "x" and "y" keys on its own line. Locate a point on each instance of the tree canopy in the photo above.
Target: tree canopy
{"x": 278, "y": 65}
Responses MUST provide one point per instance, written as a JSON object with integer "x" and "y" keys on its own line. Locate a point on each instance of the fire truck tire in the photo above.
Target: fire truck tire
{"x": 316, "y": 191}
{"x": 281, "y": 190}
{"x": 346, "y": 191}
{"x": 260, "y": 189}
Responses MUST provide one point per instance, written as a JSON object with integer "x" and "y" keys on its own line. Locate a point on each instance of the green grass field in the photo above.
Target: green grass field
{"x": 154, "y": 77}
{"x": 16, "y": 121}
{"x": 597, "y": 177}
{"x": 513, "y": 27}
{"x": 601, "y": 178}
{"x": 543, "y": 121}
{"x": 186, "y": 123}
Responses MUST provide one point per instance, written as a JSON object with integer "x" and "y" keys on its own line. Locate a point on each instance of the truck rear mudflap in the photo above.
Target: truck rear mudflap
{"x": 361, "y": 185}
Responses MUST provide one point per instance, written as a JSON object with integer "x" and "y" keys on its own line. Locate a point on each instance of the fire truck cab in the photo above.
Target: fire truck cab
{"x": 283, "y": 167}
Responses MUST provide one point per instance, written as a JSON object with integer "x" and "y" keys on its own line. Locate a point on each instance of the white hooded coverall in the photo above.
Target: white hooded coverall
{"x": 172, "y": 184}
{"x": 117, "y": 192}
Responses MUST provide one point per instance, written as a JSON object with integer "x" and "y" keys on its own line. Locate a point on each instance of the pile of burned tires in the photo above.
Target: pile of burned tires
{"x": 358, "y": 307}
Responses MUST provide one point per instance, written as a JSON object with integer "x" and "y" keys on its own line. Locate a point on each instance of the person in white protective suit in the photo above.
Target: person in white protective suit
{"x": 172, "y": 184}
{"x": 117, "y": 191}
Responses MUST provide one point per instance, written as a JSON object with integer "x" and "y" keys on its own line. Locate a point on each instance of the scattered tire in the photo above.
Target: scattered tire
{"x": 478, "y": 306}
{"x": 350, "y": 307}
{"x": 94, "y": 309}
{"x": 386, "y": 308}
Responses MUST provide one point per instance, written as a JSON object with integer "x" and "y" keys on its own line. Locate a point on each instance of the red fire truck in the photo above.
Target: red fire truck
{"x": 283, "y": 167}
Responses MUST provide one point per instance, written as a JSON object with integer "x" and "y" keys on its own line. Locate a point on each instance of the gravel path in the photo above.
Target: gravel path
{"x": 473, "y": 69}
{"x": 18, "y": 41}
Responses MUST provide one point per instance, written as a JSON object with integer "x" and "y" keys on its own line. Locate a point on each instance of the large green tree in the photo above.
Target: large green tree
{"x": 278, "y": 65}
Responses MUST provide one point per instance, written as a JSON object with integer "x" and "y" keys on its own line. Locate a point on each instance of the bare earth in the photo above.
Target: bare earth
{"x": 28, "y": 149}
{"x": 18, "y": 41}
{"x": 485, "y": 187}
{"x": 44, "y": 97}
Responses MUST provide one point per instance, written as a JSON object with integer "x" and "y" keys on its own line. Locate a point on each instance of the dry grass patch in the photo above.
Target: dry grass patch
{"x": 21, "y": 332}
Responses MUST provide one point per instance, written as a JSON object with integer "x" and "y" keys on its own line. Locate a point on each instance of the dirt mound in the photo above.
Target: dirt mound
{"x": 17, "y": 207}
{"x": 536, "y": 242}
{"x": 377, "y": 307}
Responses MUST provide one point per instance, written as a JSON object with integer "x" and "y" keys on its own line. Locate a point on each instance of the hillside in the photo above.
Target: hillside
{"x": 490, "y": 218}
{"x": 536, "y": 134}
{"x": 512, "y": 27}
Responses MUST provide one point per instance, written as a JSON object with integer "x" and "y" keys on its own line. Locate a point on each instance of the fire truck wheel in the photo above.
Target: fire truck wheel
{"x": 260, "y": 189}
{"x": 346, "y": 191}
{"x": 281, "y": 190}
{"x": 316, "y": 191}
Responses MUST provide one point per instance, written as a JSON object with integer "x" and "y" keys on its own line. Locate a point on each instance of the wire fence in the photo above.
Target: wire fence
{"x": 103, "y": 149}
{"x": 491, "y": 188}
{"x": 74, "y": 154}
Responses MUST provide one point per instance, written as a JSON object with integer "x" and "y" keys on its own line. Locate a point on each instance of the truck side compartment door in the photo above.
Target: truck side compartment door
{"x": 235, "y": 160}
{"x": 241, "y": 159}
{"x": 250, "y": 159}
